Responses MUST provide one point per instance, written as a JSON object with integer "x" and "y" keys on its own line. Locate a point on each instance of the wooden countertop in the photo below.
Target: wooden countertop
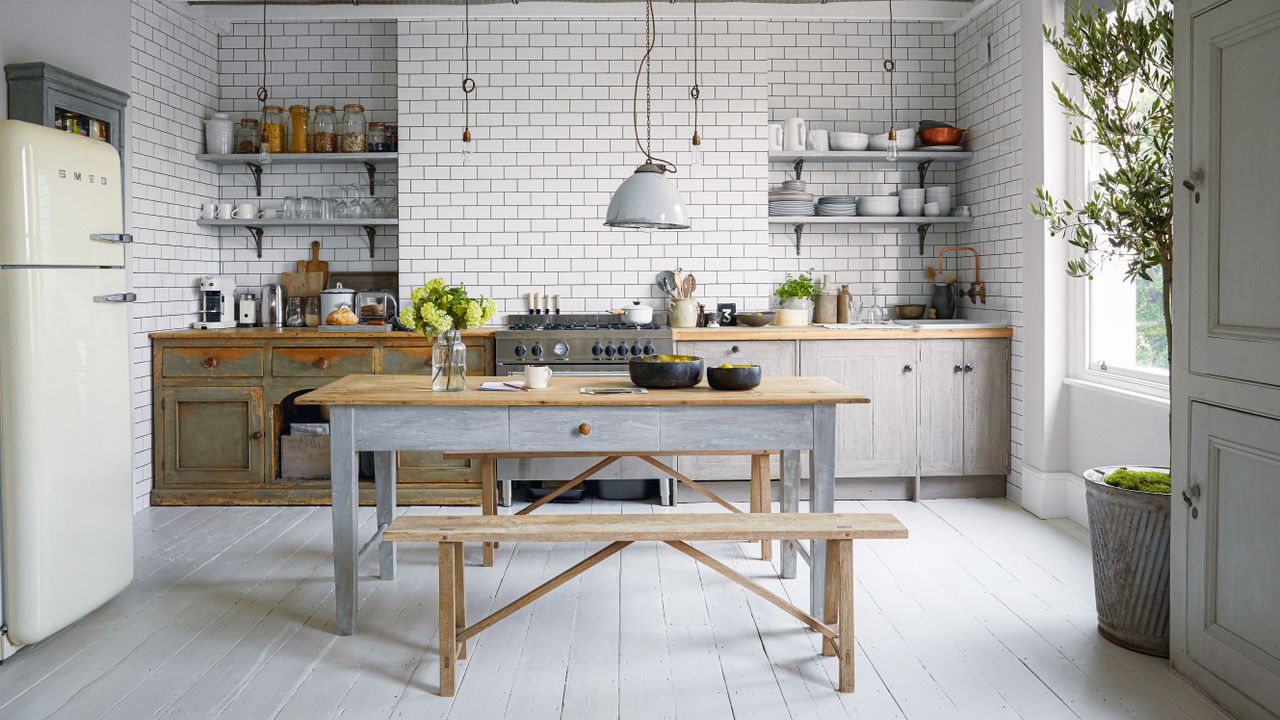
{"x": 815, "y": 332}
{"x": 563, "y": 391}
{"x": 260, "y": 333}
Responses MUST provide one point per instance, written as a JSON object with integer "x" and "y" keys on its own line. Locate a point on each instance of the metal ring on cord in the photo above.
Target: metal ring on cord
{"x": 468, "y": 85}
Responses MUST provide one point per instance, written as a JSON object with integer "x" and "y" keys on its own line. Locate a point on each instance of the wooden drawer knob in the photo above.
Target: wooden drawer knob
{"x": 321, "y": 363}
{"x": 211, "y": 362}
{"x": 257, "y": 435}
{"x": 584, "y": 429}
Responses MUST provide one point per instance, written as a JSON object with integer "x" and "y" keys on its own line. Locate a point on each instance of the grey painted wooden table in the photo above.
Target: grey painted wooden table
{"x": 389, "y": 413}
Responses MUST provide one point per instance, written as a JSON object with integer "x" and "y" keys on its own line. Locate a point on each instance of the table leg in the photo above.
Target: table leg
{"x": 384, "y": 480}
{"x": 344, "y": 471}
{"x": 844, "y": 550}
{"x": 488, "y": 498}
{"x": 790, "y": 503}
{"x": 448, "y": 621}
{"x": 762, "y": 495}
{"x": 822, "y": 479}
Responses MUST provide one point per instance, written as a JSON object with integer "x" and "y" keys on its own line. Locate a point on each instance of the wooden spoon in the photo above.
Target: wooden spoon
{"x": 690, "y": 284}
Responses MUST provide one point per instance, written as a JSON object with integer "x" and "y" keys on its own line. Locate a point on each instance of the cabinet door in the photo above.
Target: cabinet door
{"x": 877, "y": 439}
{"x": 213, "y": 436}
{"x": 941, "y": 427}
{"x": 986, "y": 407}
{"x": 776, "y": 358}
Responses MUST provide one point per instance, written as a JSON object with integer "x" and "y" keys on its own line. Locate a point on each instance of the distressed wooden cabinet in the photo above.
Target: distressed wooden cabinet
{"x": 964, "y": 401}
{"x": 224, "y": 398}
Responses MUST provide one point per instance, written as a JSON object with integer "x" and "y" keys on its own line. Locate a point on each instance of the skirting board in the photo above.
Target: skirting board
{"x": 1053, "y": 495}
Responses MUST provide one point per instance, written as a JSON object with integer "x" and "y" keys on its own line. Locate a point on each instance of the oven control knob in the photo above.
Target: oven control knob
{"x": 597, "y": 350}
{"x": 561, "y": 348}
{"x": 609, "y": 351}
{"x": 537, "y": 350}
{"x": 635, "y": 350}
{"x": 649, "y": 350}
{"x": 622, "y": 349}
{"x": 519, "y": 351}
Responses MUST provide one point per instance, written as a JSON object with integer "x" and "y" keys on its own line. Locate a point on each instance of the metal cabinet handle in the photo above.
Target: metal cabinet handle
{"x": 968, "y": 368}
{"x": 111, "y": 237}
{"x": 735, "y": 349}
{"x": 1189, "y": 496}
{"x": 584, "y": 429}
{"x": 127, "y": 297}
{"x": 907, "y": 368}
{"x": 321, "y": 363}
{"x": 211, "y": 362}
{"x": 257, "y": 435}
{"x": 959, "y": 368}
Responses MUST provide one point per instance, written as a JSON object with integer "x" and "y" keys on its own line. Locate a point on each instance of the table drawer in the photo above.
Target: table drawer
{"x": 585, "y": 429}
{"x": 321, "y": 362}
{"x": 211, "y": 362}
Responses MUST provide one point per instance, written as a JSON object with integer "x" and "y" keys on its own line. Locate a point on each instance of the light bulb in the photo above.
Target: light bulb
{"x": 697, "y": 157}
{"x": 264, "y": 156}
{"x": 468, "y": 147}
{"x": 893, "y": 148}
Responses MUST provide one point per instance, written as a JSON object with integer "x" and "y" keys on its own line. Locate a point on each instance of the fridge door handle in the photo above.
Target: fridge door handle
{"x": 119, "y": 238}
{"x": 127, "y": 297}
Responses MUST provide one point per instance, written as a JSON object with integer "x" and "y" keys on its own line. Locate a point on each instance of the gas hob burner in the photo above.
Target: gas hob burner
{"x": 632, "y": 326}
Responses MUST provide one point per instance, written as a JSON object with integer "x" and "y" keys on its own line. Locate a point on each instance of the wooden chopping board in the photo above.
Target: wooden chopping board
{"x": 315, "y": 264}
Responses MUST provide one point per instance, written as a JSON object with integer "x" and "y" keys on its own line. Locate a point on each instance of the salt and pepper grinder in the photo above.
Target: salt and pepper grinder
{"x": 537, "y": 297}
{"x": 555, "y": 303}
{"x": 546, "y": 300}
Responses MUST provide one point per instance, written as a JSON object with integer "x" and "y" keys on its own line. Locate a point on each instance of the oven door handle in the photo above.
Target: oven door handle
{"x": 579, "y": 373}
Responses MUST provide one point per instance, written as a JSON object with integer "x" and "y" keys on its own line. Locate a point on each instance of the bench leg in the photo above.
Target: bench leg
{"x": 843, "y": 549}
{"x": 830, "y": 604}
{"x": 460, "y": 597}
{"x": 448, "y": 620}
{"x": 790, "y": 502}
{"x": 488, "y": 499}
{"x": 384, "y": 472}
{"x": 761, "y": 497}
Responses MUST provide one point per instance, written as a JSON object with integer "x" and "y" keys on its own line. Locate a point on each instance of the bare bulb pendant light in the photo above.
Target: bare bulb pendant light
{"x": 647, "y": 200}
{"x": 890, "y": 65}
{"x": 696, "y": 158}
{"x": 264, "y": 153}
{"x": 468, "y": 87}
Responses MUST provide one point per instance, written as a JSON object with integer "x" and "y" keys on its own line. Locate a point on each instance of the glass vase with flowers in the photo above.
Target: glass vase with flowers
{"x": 441, "y": 312}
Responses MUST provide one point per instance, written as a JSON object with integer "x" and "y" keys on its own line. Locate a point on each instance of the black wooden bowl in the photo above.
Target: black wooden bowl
{"x": 665, "y": 371}
{"x": 743, "y": 377}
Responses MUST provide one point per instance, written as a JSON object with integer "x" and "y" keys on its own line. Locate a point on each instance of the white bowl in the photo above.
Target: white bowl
{"x": 878, "y": 206}
{"x": 908, "y": 208}
{"x": 937, "y": 191}
{"x": 932, "y": 209}
{"x": 911, "y": 193}
{"x": 854, "y": 141}
{"x": 906, "y": 141}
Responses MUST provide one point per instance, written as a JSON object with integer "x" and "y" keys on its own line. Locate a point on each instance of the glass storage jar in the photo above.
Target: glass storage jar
{"x": 247, "y": 136}
{"x": 298, "y": 137}
{"x": 273, "y": 128}
{"x": 218, "y": 134}
{"x": 293, "y": 312}
{"x": 353, "y": 128}
{"x": 393, "y": 136}
{"x": 311, "y": 311}
{"x": 378, "y": 137}
{"x": 324, "y": 130}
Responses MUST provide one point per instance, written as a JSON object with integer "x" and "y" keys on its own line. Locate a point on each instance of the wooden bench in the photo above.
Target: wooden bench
{"x": 619, "y": 531}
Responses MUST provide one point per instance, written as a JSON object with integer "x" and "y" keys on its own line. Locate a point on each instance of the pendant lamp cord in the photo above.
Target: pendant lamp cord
{"x": 651, "y": 40}
{"x": 262, "y": 89}
{"x": 468, "y": 84}
{"x": 890, "y": 65}
{"x": 695, "y": 91}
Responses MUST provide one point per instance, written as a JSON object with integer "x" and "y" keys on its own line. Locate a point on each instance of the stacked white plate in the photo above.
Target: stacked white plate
{"x": 790, "y": 200}
{"x": 837, "y": 206}
{"x": 911, "y": 202}
{"x": 878, "y": 206}
{"x": 940, "y": 194}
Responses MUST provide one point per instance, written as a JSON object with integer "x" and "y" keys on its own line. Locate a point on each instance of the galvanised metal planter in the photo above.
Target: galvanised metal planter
{"x": 1130, "y": 534}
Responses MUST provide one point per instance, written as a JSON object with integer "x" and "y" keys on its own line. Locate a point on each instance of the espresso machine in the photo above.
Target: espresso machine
{"x": 216, "y": 306}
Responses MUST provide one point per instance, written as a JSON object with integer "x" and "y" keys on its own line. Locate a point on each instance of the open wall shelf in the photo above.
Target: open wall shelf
{"x": 923, "y": 224}
{"x": 252, "y": 163}
{"x": 257, "y": 227}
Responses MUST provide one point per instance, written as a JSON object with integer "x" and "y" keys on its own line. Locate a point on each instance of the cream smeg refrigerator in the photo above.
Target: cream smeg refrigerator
{"x": 66, "y": 498}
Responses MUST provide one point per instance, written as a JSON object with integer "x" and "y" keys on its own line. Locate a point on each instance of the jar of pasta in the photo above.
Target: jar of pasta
{"x": 353, "y": 138}
{"x": 273, "y": 128}
{"x": 298, "y": 135}
{"x": 324, "y": 130}
{"x": 247, "y": 136}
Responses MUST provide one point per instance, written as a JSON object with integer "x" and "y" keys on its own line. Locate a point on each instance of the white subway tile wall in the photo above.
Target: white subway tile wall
{"x": 174, "y": 83}
{"x": 308, "y": 63}
{"x": 990, "y": 105}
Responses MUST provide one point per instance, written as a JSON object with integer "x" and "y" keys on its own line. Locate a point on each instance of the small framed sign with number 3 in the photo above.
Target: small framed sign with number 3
{"x": 727, "y": 313}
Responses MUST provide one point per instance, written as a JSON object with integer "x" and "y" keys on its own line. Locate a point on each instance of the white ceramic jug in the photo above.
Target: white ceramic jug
{"x": 775, "y": 137}
{"x": 794, "y": 134}
{"x": 818, "y": 140}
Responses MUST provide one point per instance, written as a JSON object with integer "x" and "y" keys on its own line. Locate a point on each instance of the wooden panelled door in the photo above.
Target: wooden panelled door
{"x": 1226, "y": 366}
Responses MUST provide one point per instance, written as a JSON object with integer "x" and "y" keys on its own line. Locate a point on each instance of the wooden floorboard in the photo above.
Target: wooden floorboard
{"x": 984, "y": 612}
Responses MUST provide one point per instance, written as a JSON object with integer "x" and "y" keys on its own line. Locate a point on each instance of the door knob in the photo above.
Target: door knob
{"x": 1189, "y": 496}
{"x": 968, "y": 368}
{"x": 211, "y": 363}
{"x": 257, "y": 435}
{"x": 959, "y": 368}
{"x": 907, "y": 368}
{"x": 735, "y": 349}
{"x": 322, "y": 363}
{"x": 584, "y": 429}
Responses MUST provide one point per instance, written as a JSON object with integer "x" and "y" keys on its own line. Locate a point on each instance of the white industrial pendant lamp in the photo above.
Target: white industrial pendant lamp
{"x": 647, "y": 200}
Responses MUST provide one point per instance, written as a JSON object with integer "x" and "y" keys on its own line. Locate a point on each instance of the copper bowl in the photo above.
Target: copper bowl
{"x": 941, "y": 136}
{"x": 910, "y": 312}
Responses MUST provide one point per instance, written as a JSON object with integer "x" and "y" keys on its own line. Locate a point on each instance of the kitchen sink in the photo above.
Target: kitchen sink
{"x": 957, "y": 323}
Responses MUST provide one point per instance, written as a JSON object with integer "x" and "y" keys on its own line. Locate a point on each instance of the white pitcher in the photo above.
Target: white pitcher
{"x": 819, "y": 141}
{"x": 775, "y": 137}
{"x": 794, "y": 134}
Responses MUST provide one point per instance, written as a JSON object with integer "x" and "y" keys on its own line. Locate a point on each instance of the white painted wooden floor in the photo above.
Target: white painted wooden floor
{"x": 986, "y": 612}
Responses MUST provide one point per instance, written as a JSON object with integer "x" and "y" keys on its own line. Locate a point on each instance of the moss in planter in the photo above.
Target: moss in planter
{"x": 1140, "y": 480}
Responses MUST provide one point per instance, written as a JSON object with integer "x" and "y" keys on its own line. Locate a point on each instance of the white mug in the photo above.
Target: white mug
{"x": 225, "y": 210}
{"x": 818, "y": 140}
{"x": 775, "y": 137}
{"x": 208, "y": 211}
{"x": 536, "y": 377}
{"x": 246, "y": 211}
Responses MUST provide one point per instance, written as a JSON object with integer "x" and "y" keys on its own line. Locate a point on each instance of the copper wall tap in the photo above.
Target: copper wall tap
{"x": 977, "y": 289}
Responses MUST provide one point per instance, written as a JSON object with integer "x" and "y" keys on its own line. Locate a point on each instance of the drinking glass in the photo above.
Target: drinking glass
{"x": 327, "y": 208}
{"x": 290, "y": 211}
{"x": 309, "y": 208}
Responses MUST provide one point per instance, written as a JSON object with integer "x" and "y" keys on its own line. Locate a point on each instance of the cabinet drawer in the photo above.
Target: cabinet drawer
{"x": 574, "y": 429}
{"x": 211, "y": 362}
{"x": 321, "y": 362}
{"x": 417, "y": 360}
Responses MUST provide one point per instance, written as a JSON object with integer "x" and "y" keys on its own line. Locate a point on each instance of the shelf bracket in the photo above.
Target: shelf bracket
{"x": 923, "y": 169}
{"x": 799, "y": 231}
{"x": 370, "y": 231}
{"x": 799, "y": 166}
{"x": 256, "y": 169}
{"x": 372, "y": 171}
{"x": 923, "y": 231}
{"x": 256, "y": 232}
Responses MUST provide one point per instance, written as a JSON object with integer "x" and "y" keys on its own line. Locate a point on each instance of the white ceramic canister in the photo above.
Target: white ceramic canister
{"x": 775, "y": 137}
{"x": 794, "y": 133}
{"x": 218, "y": 133}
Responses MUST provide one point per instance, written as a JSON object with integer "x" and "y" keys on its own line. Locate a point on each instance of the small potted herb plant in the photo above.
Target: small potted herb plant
{"x": 1129, "y": 511}
{"x": 795, "y": 298}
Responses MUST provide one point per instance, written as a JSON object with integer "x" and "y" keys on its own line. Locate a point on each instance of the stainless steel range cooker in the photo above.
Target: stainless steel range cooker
{"x": 578, "y": 344}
